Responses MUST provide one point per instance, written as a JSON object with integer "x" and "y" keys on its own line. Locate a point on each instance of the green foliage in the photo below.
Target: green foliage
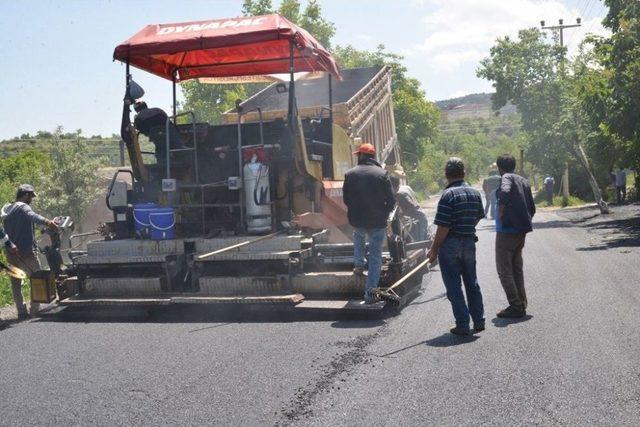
{"x": 64, "y": 175}
{"x": 618, "y": 74}
{"x": 478, "y": 141}
{"x": 256, "y": 7}
{"x": 73, "y": 184}
{"x": 28, "y": 166}
{"x": 533, "y": 76}
{"x": 416, "y": 118}
{"x": 209, "y": 101}
{"x": 525, "y": 72}
{"x": 540, "y": 199}
{"x": 6, "y": 297}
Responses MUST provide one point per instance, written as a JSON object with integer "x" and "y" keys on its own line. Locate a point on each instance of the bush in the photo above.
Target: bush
{"x": 540, "y": 199}
{"x": 6, "y": 297}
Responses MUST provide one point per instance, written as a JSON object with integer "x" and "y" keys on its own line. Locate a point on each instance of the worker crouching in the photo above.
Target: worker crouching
{"x": 369, "y": 199}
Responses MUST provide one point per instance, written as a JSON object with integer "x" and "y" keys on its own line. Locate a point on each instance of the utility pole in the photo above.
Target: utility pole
{"x": 560, "y": 28}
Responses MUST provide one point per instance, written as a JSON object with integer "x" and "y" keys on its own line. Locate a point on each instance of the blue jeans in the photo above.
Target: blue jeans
{"x": 457, "y": 258}
{"x": 420, "y": 229}
{"x": 492, "y": 204}
{"x": 376, "y": 238}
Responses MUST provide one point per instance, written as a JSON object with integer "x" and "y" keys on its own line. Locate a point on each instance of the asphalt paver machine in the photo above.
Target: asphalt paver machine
{"x": 249, "y": 211}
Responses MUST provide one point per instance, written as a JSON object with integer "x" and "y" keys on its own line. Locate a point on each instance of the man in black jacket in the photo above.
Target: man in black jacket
{"x": 369, "y": 198}
{"x": 152, "y": 122}
{"x": 513, "y": 222}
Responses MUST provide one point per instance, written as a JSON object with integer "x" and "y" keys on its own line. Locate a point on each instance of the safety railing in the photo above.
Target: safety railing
{"x": 175, "y": 150}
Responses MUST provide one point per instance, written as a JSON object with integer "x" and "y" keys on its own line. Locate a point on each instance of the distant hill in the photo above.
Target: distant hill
{"x": 472, "y": 105}
{"x": 473, "y": 98}
{"x": 106, "y": 148}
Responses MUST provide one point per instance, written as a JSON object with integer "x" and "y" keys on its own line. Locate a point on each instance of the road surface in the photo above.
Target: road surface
{"x": 573, "y": 360}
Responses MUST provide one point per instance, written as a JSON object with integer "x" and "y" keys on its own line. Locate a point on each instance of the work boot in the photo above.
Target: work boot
{"x": 371, "y": 298}
{"x": 23, "y": 313}
{"x": 460, "y": 331}
{"x": 34, "y": 308}
{"x": 512, "y": 312}
{"x": 478, "y": 327}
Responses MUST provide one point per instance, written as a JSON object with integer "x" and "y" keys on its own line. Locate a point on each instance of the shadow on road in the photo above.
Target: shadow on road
{"x": 552, "y": 224}
{"x": 221, "y": 315}
{"x": 434, "y": 298}
{"x": 6, "y": 324}
{"x": 626, "y": 231}
{"x": 500, "y": 322}
{"x": 449, "y": 340}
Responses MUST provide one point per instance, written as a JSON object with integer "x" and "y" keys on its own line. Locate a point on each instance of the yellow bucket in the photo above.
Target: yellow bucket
{"x": 43, "y": 286}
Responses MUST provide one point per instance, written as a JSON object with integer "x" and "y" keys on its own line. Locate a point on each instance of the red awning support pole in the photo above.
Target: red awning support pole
{"x": 292, "y": 88}
{"x": 127, "y": 76}
{"x": 173, "y": 81}
{"x": 331, "y": 107}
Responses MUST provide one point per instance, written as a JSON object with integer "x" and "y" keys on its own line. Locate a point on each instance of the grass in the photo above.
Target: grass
{"x": 558, "y": 201}
{"x": 6, "y": 296}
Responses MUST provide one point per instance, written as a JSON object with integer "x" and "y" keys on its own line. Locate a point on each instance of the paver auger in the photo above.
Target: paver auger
{"x": 249, "y": 211}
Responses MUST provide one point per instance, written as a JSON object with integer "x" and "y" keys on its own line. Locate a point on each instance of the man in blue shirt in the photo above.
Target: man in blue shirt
{"x": 515, "y": 210}
{"x": 459, "y": 210}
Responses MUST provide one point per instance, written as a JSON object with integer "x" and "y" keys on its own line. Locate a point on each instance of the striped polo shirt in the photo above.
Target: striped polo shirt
{"x": 459, "y": 209}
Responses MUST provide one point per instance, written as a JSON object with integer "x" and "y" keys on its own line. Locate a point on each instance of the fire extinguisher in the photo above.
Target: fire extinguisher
{"x": 257, "y": 195}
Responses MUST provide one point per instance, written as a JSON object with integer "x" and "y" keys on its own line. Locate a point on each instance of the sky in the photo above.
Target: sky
{"x": 56, "y": 55}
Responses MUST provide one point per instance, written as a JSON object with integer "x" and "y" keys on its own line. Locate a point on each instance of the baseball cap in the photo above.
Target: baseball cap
{"x": 27, "y": 188}
{"x": 365, "y": 149}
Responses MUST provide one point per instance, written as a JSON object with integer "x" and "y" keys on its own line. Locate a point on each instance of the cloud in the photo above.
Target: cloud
{"x": 462, "y": 31}
{"x": 364, "y": 37}
{"x": 450, "y": 60}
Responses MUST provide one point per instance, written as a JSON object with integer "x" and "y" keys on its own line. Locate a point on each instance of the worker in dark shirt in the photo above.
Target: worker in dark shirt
{"x": 369, "y": 198}
{"x": 411, "y": 208}
{"x": 19, "y": 223}
{"x": 152, "y": 122}
{"x": 459, "y": 210}
{"x": 515, "y": 211}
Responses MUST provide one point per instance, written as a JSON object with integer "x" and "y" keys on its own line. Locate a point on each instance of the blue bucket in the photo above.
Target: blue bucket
{"x": 141, "y": 217}
{"x": 162, "y": 223}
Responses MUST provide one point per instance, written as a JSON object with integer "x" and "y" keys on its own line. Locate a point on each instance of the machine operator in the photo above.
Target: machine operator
{"x": 152, "y": 122}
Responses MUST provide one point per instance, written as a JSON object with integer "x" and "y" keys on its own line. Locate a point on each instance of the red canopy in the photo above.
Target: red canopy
{"x": 242, "y": 46}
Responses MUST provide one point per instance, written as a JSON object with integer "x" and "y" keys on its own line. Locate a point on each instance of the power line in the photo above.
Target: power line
{"x": 603, "y": 9}
{"x": 583, "y": 15}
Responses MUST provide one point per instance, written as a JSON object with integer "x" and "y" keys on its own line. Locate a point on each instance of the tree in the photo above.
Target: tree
{"x": 416, "y": 118}
{"x": 72, "y": 184}
{"x": 256, "y": 7}
{"x": 619, "y": 58}
{"x": 529, "y": 73}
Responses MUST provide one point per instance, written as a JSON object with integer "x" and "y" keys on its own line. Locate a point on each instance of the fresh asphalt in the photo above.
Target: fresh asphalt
{"x": 573, "y": 360}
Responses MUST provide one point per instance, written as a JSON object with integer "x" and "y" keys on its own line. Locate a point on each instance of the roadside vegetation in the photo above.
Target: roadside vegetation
{"x": 558, "y": 201}
{"x": 64, "y": 173}
{"x": 582, "y": 110}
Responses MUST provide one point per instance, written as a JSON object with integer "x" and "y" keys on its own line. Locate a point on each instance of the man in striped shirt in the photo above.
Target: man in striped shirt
{"x": 459, "y": 210}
